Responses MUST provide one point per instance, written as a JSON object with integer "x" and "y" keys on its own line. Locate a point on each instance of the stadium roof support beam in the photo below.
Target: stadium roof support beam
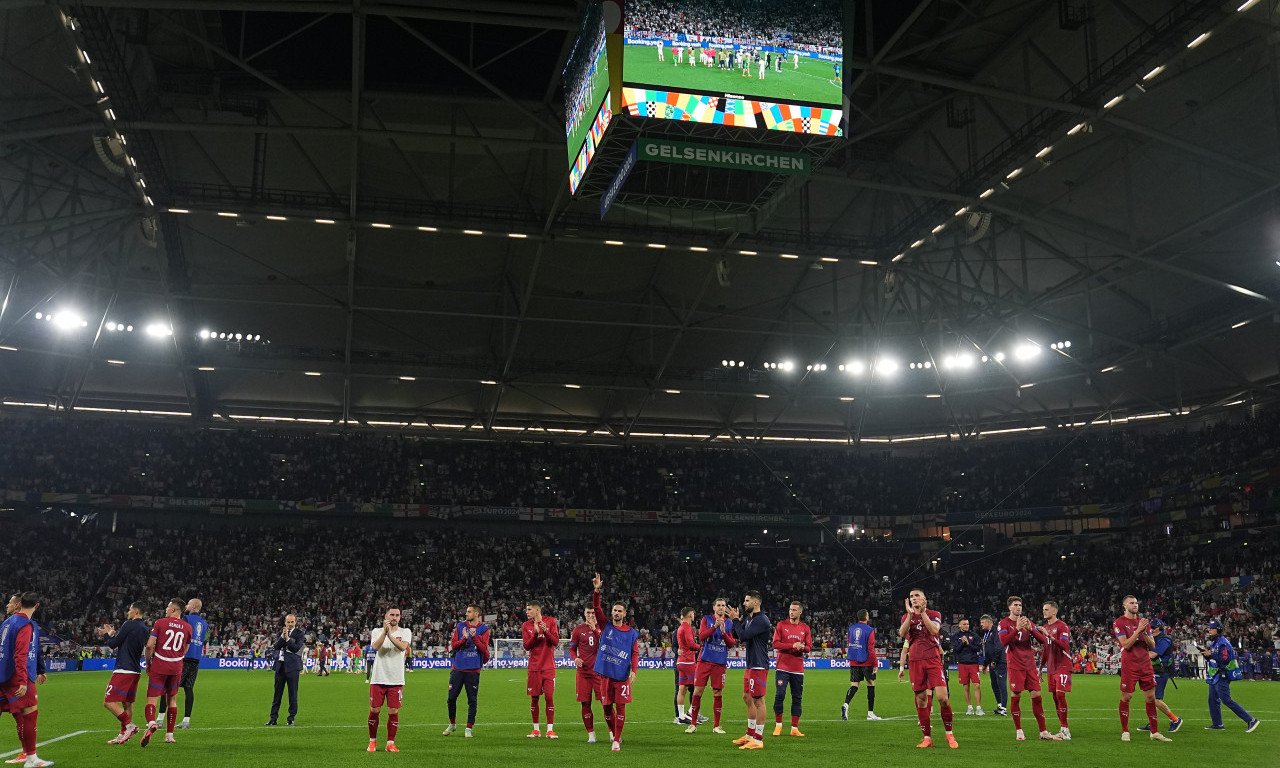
{"x": 353, "y": 201}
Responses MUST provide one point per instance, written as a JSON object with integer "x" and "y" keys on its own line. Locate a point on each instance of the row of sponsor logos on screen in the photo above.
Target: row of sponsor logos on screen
{"x": 91, "y": 665}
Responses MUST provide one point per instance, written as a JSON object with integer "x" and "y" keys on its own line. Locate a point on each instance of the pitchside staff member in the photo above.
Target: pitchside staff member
{"x": 191, "y": 663}
{"x": 288, "y": 666}
{"x": 861, "y": 653}
{"x": 470, "y": 648}
{"x": 993, "y": 660}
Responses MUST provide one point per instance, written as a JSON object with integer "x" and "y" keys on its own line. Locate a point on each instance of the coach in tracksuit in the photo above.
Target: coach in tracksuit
{"x": 994, "y": 662}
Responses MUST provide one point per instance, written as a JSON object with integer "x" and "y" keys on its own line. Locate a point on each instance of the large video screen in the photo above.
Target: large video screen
{"x": 586, "y": 87}
{"x": 775, "y": 64}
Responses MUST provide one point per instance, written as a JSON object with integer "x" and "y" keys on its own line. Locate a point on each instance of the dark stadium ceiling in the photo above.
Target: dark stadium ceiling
{"x": 1148, "y": 237}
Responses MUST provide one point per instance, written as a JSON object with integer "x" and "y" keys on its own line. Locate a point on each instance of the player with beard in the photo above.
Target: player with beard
{"x": 1133, "y": 632}
{"x": 921, "y": 626}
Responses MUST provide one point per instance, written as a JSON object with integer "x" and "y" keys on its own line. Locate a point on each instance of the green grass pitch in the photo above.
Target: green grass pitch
{"x": 232, "y": 705}
{"x": 811, "y": 83}
{"x": 599, "y": 84}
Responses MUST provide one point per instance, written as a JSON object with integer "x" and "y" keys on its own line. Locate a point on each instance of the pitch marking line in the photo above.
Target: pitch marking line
{"x": 42, "y": 743}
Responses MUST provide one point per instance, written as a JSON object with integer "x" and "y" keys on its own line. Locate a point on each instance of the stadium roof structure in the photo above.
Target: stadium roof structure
{"x": 365, "y": 206}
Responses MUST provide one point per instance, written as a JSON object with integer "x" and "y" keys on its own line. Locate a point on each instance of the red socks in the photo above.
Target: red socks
{"x": 171, "y": 720}
{"x": 619, "y": 720}
{"x": 1060, "y": 701}
{"x": 1124, "y": 716}
{"x": 373, "y": 724}
{"x": 1037, "y": 708}
{"x": 922, "y": 714}
{"x": 945, "y": 711}
{"x": 393, "y": 725}
{"x": 588, "y": 717}
{"x": 717, "y": 704}
{"x": 1152, "y": 720}
{"x": 29, "y": 731}
{"x": 777, "y": 718}
{"x": 693, "y": 710}
{"x": 123, "y": 717}
{"x": 533, "y": 711}
{"x": 150, "y": 713}
{"x": 551, "y": 709}
{"x": 795, "y": 721}
{"x": 608, "y": 717}
{"x": 1015, "y": 710}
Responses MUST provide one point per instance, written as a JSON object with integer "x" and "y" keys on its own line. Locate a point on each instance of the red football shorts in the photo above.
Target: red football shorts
{"x": 162, "y": 683}
{"x": 392, "y": 695}
{"x": 969, "y": 674}
{"x": 709, "y": 674}
{"x": 11, "y": 702}
{"x": 1061, "y": 682}
{"x": 1024, "y": 680}
{"x": 615, "y": 691}
{"x": 926, "y": 674}
{"x": 1129, "y": 681}
{"x": 587, "y": 683}
{"x": 123, "y": 686}
{"x": 540, "y": 681}
{"x": 755, "y": 682}
{"x": 686, "y": 672}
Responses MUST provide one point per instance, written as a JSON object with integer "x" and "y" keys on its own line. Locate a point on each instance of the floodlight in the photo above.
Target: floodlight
{"x": 1026, "y": 351}
{"x": 158, "y": 330}
{"x": 68, "y": 321}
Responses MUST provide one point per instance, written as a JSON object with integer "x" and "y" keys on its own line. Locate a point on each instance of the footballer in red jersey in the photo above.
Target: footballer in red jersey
{"x": 584, "y": 642}
{"x": 166, "y": 648}
{"x": 1133, "y": 632}
{"x": 1016, "y": 634}
{"x": 920, "y": 627}
{"x": 1057, "y": 660}
{"x": 687, "y": 648}
{"x": 716, "y": 635}
{"x": 541, "y": 637}
{"x": 792, "y": 640}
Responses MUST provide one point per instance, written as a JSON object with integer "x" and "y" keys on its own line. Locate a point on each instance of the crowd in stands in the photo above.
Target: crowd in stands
{"x": 339, "y": 581}
{"x": 779, "y": 22}
{"x": 1093, "y": 466}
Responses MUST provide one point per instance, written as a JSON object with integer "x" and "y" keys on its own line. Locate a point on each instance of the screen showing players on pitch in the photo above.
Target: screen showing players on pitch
{"x": 774, "y": 64}
{"x": 586, "y": 88}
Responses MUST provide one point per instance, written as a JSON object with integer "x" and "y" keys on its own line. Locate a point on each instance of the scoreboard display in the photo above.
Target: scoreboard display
{"x": 767, "y": 64}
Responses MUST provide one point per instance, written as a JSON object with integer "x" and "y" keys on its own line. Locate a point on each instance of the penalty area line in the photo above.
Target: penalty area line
{"x": 48, "y": 741}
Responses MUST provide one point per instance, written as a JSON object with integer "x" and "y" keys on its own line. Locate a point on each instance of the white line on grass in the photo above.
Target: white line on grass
{"x": 50, "y": 741}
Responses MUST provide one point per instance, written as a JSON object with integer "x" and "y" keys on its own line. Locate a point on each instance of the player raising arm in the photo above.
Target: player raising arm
{"x": 616, "y": 662}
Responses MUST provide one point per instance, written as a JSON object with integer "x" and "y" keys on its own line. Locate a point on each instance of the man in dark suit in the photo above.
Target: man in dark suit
{"x": 287, "y": 652}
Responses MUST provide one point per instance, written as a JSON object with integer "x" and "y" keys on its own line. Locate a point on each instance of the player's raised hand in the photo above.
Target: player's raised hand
{"x": 733, "y": 613}
{"x": 597, "y": 582}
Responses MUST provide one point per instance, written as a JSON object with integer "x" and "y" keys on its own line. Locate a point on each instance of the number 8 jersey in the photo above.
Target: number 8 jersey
{"x": 172, "y": 638}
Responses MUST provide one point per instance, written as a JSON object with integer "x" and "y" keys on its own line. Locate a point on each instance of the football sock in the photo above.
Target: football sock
{"x": 853, "y": 691}
{"x": 29, "y": 731}
{"x": 533, "y": 711}
{"x": 17, "y": 724}
{"x": 751, "y": 727}
{"x": 795, "y": 721}
{"x": 777, "y": 718}
{"x": 588, "y": 717}
{"x": 608, "y": 717}
{"x": 717, "y": 704}
{"x": 188, "y": 701}
{"x": 871, "y": 697}
{"x": 945, "y": 710}
{"x": 693, "y": 709}
{"x": 393, "y": 725}
{"x": 1037, "y": 708}
{"x": 1172, "y": 716}
{"x": 1124, "y": 716}
{"x": 1015, "y": 710}
{"x": 172, "y": 718}
{"x": 1060, "y": 701}
{"x": 150, "y": 713}
{"x": 922, "y": 715}
{"x": 123, "y": 717}
{"x": 1152, "y": 720}
{"x": 680, "y": 711}
{"x": 551, "y": 710}
{"x": 373, "y": 723}
{"x": 619, "y": 720}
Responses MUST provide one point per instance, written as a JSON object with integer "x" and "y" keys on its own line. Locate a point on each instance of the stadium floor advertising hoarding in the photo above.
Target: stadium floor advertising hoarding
{"x": 772, "y": 64}
{"x": 586, "y": 87}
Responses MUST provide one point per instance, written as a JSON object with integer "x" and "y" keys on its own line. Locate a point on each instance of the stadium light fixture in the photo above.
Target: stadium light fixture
{"x": 68, "y": 321}
{"x": 228, "y": 215}
{"x": 427, "y": 229}
{"x": 1026, "y": 351}
{"x": 938, "y": 229}
{"x": 833, "y": 260}
{"x": 115, "y": 362}
{"x": 204, "y": 334}
{"x": 1153, "y": 73}
{"x": 853, "y": 367}
{"x": 962, "y": 211}
{"x": 1247, "y": 5}
{"x": 380, "y": 225}
{"x": 9, "y": 349}
{"x": 999, "y": 357}
{"x": 325, "y": 221}
{"x": 886, "y": 365}
{"x": 1041, "y": 154}
{"x": 178, "y": 210}
{"x": 277, "y": 218}
{"x": 762, "y": 397}
{"x": 788, "y": 366}
{"x": 517, "y": 235}
{"x": 490, "y": 382}
{"x": 473, "y": 232}
{"x": 846, "y": 399}
{"x": 1240, "y": 324}
{"x": 613, "y": 242}
{"x": 573, "y": 386}
{"x": 658, "y": 245}
{"x": 311, "y": 373}
{"x": 698, "y": 249}
{"x": 788, "y": 255}
{"x": 1199, "y": 39}
{"x": 748, "y": 253}
{"x": 1078, "y": 127}
{"x": 868, "y": 262}
{"x": 899, "y": 257}
{"x": 206, "y": 368}
{"x": 672, "y": 391}
{"x": 408, "y": 378}
{"x": 987, "y": 193}
{"x": 1114, "y": 100}
{"x": 1015, "y": 173}
{"x": 239, "y": 336}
